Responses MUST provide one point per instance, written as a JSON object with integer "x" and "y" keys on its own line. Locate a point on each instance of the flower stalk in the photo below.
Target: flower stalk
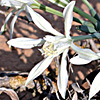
{"x": 47, "y": 9}
{"x": 77, "y": 10}
{"x": 83, "y": 37}
{"x": 92, "y": 10}
{"x": 60, "y": 14}
{"x": 53, "y": 11}
{"x": 80, "y": 12}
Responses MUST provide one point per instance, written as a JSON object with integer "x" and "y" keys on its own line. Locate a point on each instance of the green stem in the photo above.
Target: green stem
{"x": 48, "y": 9}
{"x": 53, "y": 11}
{"x": 78, "y": 20}
{"x": 75, "y": 38}
{"x": 80, "y": 12}
{"x": 67, "y": 1}
{"x": 87, "y": 4}
{"x": 58, "y": 13}
{"x": 92, "y": 10}
{"x": 83, "y": 37}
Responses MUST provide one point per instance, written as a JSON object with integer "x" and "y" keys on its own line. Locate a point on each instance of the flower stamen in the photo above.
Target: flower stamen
{"x": 48, "y": 49}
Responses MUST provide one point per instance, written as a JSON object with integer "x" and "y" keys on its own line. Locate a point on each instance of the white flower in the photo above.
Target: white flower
{"x": 18, "y": 5}
{"x": 53, "y": 46}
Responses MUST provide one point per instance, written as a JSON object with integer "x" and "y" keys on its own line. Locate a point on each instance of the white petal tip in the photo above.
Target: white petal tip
{"x": 79, "y": 61}
{"x": 63, "y": 96}
{"x": 26, "y": 83}
{"x": 8, "y": 42}
{"x": 71, "y": 4}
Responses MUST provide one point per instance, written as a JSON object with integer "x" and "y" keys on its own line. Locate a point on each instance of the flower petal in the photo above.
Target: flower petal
{"x": 13, "y": 23}
{"x": 15, "y": 3}
{"x": 79, "y": 61}
{"x": 53, "y": 39}
{"x": 63, "y": 75}
{"x": 11, "y": 3}
{"x": 6, "y": 20}
{"x": 59, "y": 2}
{"x": 64, "y": 1}
{"x": 75, "y": 96}
{"x": 25, "y": 43}
{"x": 28, "y": 16}
{"x": 41, "y": 22}
{"x": 39, "y": 68}
{"x": 95, "y": 87}
{"x": 68, "y": 16}
{"x": 98, "y": 53}
{"x": 86, "y": 54}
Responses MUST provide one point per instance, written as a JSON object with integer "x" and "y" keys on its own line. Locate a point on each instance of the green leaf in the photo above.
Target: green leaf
{"x": 86, "y": 29}
{"x": 98, "y": 26}
{"x": 97, "y": 35}
{"x": 92, "y": 10}
{"x": 88, "y": 24}
{"x": 94, "y": 14}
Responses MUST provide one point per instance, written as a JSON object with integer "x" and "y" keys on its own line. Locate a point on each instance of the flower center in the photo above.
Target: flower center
{"x": 55, "y": 47}
{"x": 48, "y": 48}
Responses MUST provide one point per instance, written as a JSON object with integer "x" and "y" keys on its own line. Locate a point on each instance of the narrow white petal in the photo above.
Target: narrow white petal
{"x": 53, "y": 1}
{"x": 53, "y": 39}
{"x": 13, "y": 23}
{"x": 38, "y": 69}
{"x": 6, "y": 20}
{"x": 56, "y": 2}
{"x": 64, "y": 1}
{"x": 86, "y": 54}
{"x": 79, "y": 61}
{"x": 25, "y": 43}
{"x": 68, "y": 16}
{"x": 98, "y": 53}
{"x": 95, "y": 87}
{"x": 25, "y": 1}
{"x": 16, "y": 3}
{"x": 11, "y": 3}
{"x": 63, "y": 75}
{"x": 75, "y": 96}
{"x": 41, "y": 22}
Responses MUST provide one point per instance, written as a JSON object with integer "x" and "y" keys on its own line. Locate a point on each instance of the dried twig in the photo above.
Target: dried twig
{"x": 10, "y": 92}
{"x": 3, "y": 12}
{"x": 93, "y": 45}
